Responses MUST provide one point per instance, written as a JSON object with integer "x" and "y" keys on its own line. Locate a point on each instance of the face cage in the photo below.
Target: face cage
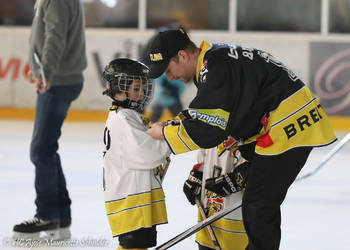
{"x": 133, "y": 87}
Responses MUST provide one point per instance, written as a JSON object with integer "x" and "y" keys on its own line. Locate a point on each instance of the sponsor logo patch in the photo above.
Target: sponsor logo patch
{"x": 203, "y": 73}
{"x": 209, "y": 117}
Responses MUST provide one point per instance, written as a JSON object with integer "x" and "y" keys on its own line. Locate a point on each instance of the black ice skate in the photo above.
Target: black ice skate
{"x": 65, "y": 223}
{"x": 41, "y": 229}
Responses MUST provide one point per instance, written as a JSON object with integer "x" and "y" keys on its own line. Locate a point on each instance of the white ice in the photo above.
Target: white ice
{"x": 315, "y": 214}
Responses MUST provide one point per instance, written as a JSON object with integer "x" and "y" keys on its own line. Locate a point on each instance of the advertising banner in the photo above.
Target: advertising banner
{"x": 330, "y": 76}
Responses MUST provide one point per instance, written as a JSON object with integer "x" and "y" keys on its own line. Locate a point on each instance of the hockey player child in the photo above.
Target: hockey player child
{"x": 134, "y": 198}
{"x": 206, "y": 183}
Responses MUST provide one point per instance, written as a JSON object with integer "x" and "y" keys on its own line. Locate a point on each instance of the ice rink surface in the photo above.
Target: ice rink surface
{"x": 315, "y": 214}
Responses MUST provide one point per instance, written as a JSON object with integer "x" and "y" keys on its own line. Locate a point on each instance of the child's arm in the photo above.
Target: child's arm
{"x": 140, "y": 150}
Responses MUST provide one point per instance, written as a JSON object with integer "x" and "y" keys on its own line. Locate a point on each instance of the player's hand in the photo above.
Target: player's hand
{"x": 39, "y": 85}
{"x": 229, "y": 183}
{"x": 156, "y": 130}
{"x": 193, "y": 185}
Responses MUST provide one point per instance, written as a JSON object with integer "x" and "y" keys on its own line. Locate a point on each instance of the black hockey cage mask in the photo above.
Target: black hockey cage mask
{"x": 127, "y": 83}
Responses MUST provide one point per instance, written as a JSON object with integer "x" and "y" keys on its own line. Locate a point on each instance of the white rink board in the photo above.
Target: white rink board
{"x": 15, "y": 91}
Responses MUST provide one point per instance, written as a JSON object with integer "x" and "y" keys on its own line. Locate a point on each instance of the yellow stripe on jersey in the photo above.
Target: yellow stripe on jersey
{"x": 230, "y": 234}
{"x": 186, "y": 138}
{"x": 134, "y": 201}
{"x": 233, "y": 226}
{"x": 294, "y": 102}
{"x": 140, "y": 217}
{"x": 298, "y": 121}
{"x": 204, "y": 48}
{"x": 136, "y": 211}
{"x": 178, "y": 139}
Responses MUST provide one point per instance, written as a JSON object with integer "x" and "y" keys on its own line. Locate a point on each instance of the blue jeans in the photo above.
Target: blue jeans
{"x": 52, "y": 198}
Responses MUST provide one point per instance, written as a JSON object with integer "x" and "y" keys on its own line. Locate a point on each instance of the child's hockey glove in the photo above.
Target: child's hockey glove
{"x": 193, "y": 185}
{"x": 229, "y": 183}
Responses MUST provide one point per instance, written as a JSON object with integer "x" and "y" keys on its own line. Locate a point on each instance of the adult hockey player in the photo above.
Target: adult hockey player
{"x": 214, "y": 162}
{"x": 134, "y": 197}
{"x": 247, "y": 94}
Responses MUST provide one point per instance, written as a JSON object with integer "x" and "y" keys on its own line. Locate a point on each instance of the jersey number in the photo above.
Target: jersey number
{"x": 107, "y": 139}
{"x": 107, "y": 142}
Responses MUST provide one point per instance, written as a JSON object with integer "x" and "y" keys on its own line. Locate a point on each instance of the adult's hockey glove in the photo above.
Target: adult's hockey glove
{"x": 229, "y": 183}
{"x": 193, "y": 185}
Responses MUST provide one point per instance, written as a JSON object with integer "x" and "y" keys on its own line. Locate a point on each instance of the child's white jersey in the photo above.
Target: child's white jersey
{"x": 133, "y": 193}
{"x": 229, "y": 230}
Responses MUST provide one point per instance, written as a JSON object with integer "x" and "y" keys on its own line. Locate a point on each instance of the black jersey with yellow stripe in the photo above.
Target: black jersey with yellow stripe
{"x": 238, "y": 89}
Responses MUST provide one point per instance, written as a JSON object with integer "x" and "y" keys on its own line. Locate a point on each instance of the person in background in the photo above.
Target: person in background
{"x": 58, "y": 40}
{"x": 167, "y": 96}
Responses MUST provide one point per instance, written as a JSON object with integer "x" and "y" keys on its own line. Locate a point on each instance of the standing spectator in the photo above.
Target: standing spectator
{"x": 58, "y": 38}
{"x": 167, "y": 96}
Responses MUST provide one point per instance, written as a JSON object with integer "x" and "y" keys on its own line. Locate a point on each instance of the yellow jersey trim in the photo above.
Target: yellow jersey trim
{"x": 178, "y": 139}
{"x": 298, "y": 121}
{"x": 133, "y": 201}
{"x": 141, "y": 217}
{"x": 226, "y": 231}
{"x": 136, "y": 211}
{"x": 204, "y": 48}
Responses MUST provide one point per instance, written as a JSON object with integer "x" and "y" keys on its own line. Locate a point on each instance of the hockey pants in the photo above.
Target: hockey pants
{"x": 268, "y": 183}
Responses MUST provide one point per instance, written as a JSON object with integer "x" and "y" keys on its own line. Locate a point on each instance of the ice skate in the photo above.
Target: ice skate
{"x": 42, "y": 229}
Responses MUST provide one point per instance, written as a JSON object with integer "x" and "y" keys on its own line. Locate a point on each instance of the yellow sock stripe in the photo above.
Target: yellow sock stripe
{"x": 134, "y": 201}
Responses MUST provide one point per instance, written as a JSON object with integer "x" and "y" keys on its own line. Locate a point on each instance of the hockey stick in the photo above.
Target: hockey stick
{"x": 165, "y": 168}
{"x": 38, "y": 62}
{"x": 327, "y": 157}
{"x": 198, "y": 227}
{"x": 209, "y": 228}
